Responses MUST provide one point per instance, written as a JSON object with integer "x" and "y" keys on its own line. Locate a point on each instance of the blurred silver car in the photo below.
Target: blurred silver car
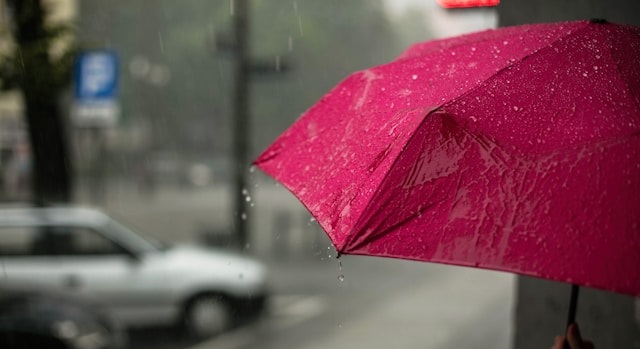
{"x": 142, "y": 284}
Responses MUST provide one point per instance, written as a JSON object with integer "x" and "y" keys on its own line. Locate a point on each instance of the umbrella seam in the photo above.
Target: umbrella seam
{"x": 353, "y": 234}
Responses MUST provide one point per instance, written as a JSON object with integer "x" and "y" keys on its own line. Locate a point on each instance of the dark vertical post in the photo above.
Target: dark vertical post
{"x": 241, "y": 127}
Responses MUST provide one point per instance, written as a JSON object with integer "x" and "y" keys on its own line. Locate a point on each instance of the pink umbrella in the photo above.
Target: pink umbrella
{"x": 514, "y": 149}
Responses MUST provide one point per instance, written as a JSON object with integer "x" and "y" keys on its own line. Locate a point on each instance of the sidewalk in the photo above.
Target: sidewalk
{"x": 467, "y": 308}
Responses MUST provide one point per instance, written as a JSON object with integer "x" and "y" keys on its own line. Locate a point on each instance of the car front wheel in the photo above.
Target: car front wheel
{"x": 207, "y": 315}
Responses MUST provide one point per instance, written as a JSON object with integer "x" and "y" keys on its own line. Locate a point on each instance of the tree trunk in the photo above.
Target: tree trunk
{"x": 51, "y": 176}
{"x": 51, "y": 166}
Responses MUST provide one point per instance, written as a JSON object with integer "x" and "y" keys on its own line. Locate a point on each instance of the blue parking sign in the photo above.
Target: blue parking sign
{"x": 96, "y": 76}
{"x": 95, "y": 91}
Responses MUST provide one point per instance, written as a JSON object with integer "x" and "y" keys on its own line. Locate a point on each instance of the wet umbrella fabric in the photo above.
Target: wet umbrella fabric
{"x": 514, "y": 149}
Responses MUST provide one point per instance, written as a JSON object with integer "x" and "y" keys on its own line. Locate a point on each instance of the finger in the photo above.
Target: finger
{"x": 558, "y": 342}
{"x": 574, "y": 337}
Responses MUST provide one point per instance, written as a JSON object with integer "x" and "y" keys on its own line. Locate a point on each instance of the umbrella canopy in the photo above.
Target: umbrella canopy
{"x": 514, "y": 149}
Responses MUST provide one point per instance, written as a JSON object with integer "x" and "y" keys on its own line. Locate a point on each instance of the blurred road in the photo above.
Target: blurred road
{"x": 389, "y": 304}
{"x": 319, "y": 302}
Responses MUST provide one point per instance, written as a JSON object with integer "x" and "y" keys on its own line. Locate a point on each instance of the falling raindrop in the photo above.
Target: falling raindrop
{"x": 161, "y": 42}
{"x": 341, "y": 278}
{"x": 300, "y": 26}
{"x": 243, "y": 216}
{"x": 340, "y": 325}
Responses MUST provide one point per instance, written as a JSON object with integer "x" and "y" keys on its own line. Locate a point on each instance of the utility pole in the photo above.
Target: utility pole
{"x": 241, "y": 124}
{"x": 245, "y": 69}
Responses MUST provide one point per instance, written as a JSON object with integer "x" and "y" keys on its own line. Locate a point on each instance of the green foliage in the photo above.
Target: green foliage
{"x": 33, "y": 64}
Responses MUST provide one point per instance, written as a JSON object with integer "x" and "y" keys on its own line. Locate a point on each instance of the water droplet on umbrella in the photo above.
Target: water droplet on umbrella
{"x": 414, "y": 76}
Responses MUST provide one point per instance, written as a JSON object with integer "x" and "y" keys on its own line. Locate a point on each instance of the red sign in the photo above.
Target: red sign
{"x": 467, "y": 3}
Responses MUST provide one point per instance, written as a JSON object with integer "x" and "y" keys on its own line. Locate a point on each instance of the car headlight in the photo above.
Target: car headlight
{"x": 82, "y": 337}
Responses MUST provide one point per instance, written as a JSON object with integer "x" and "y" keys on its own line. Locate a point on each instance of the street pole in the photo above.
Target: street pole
{"x": 241, "y": 128}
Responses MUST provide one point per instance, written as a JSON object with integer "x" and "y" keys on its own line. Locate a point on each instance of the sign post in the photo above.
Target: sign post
{"x": 95, "y": 108}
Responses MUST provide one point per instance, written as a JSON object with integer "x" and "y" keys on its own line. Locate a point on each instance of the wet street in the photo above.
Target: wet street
{"x": 318, "y": 301}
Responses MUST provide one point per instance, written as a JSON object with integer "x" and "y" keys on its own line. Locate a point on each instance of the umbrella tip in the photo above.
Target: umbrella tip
{"x": 598, "y": 20}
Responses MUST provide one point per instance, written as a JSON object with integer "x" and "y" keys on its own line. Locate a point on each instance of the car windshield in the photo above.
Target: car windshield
{"x": 134, "y": 241}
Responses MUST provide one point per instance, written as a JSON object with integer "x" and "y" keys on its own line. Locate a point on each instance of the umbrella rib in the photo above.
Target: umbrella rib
{"x": 351, "y": 239}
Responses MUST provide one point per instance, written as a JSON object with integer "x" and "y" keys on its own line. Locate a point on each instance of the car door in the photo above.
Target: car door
{"x": 134, "y": 286}
{"x": 25, "y": 258}
{"x": 81, "y": 259}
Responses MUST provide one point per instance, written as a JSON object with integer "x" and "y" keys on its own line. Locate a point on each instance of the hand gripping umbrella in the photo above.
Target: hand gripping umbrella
{"x": 516, "y": 149}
